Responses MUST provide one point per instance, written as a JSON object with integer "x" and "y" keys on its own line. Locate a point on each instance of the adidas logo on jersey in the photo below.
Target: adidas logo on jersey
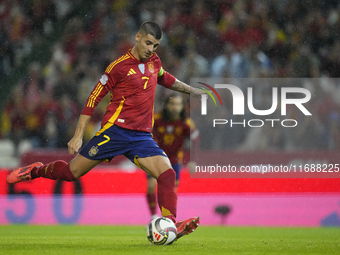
{"x": 131, "y": 72}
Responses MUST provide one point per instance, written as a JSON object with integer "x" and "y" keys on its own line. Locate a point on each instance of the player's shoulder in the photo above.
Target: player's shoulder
{"x": 155, "y": 58}
{"x": 119, "y": 62}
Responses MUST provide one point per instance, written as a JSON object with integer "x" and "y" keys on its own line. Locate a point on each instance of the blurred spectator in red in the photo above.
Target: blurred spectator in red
{"x": 198, "y": 17}
{"x": 241, "y": 35}
{"x": 34, "y": 84}
{"x": 74, "y": 35}
{"x": 13, "y": 118}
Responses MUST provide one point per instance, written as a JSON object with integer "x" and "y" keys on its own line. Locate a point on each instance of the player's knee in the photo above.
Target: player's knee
{"x": 77, "y": 173}
{"x": 173, "y": 172}
{"x": 170, "y": 174}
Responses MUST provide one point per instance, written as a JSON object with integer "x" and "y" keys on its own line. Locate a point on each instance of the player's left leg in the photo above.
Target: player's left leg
{"x": 151, "y": 196}
{"x": 177, "y": 168}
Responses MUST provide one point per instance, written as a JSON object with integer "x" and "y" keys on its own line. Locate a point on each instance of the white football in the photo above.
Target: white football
{"x": 161, "y": 231}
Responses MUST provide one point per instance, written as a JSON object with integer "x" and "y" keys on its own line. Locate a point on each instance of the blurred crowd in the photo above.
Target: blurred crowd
{"x": 202, "y": 38}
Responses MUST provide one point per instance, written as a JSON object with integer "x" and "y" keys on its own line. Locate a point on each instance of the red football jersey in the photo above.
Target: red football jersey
{"x": 132, "y": 85}
{"x": 171, "y": 135}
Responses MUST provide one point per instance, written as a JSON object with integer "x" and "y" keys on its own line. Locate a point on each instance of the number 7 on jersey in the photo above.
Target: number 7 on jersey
{"x": 146, "y": 82}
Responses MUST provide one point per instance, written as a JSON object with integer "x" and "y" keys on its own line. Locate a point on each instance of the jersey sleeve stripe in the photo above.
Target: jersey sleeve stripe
{"x": 89, "y": 102}
{"x": 109, "y": 68}
{"x": 129, "y": 53}
{"x": 94, "y": 95}
{"x": 91, "y": 97}
{"x": 112, "y": 64}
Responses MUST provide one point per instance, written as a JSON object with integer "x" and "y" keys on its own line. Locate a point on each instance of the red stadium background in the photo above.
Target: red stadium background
{"x": 114, "y": 193}
{"x": 113, "y": 178}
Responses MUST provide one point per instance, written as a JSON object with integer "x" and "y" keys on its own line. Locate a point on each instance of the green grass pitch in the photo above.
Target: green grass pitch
{"x": 73, "y": 239}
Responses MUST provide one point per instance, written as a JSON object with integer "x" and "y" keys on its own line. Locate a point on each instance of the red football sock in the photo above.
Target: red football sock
{"x": 55, "y": 170}
{"x": 152, "y": 202}
{"x": 167, "y": 197}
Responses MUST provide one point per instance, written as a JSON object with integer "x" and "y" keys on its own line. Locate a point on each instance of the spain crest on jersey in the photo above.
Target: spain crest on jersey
{"x": 93, "y": 151}
{"x": 151, "y": 67}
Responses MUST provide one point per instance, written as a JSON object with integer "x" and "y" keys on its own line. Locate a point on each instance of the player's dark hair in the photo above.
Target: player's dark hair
{"x": 152, "y": 28}
{"x": 166, "y": 115}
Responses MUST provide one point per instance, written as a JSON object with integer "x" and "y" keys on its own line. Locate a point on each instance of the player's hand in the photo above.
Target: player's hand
{"x": 74, "y": 145}
{"x": 195, "y": 92}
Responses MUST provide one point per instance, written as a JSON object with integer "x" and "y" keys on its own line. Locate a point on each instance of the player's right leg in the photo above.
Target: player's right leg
{"x": 57, "y": 170}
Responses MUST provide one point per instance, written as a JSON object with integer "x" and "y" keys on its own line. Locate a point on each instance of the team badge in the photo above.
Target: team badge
{"x": 141, "y": 68}
{"x": 93, "y": 151}
{"x": 151, "y": 67}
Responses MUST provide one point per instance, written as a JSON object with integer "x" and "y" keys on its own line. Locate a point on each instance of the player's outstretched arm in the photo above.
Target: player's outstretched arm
{"x": 187, "y": 89}
{"x": 77, "y": 140}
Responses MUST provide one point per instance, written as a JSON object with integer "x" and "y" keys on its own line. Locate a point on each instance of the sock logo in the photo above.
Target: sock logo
{"x": 208, "y": 92}
{"x": 52, "y": 167}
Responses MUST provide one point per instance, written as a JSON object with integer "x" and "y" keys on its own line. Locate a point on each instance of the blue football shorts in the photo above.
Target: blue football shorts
{"x": 114, "y": 141}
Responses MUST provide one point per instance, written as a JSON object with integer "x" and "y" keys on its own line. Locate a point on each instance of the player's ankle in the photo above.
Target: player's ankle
{"x": 171, "y": 217}
{"x": 34, "y": 174}
{"x": 154, "y": 216}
